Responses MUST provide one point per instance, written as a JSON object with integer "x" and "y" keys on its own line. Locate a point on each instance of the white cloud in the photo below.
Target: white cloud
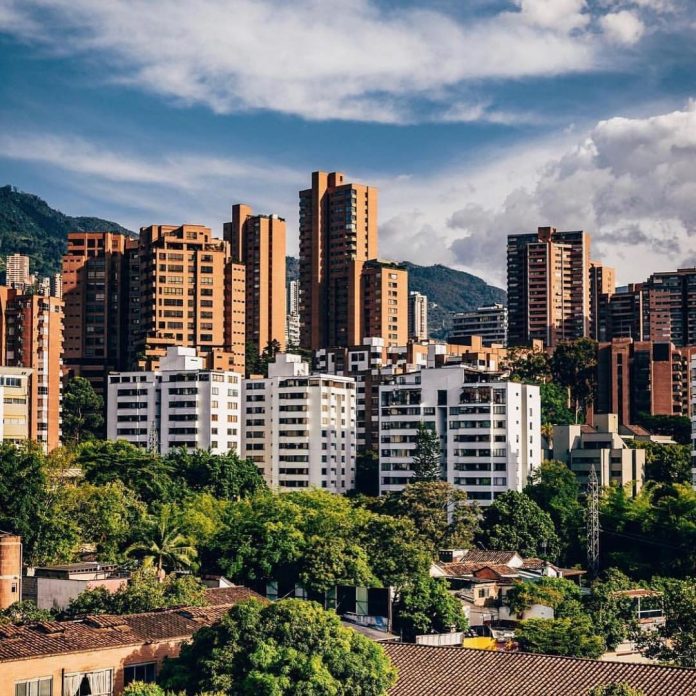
{"x": 630, "y": 182}
{"x": 348, "y": 60}
{"x": 623, "y": 27}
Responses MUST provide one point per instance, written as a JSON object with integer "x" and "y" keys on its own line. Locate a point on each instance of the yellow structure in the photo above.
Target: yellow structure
{"x": 15, "y": 387}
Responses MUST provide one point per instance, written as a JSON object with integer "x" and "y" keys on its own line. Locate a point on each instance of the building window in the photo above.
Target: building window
{"x": 35, "y": 687}
{"x": 145, "y": 672}
{"x": 100, "y": 683}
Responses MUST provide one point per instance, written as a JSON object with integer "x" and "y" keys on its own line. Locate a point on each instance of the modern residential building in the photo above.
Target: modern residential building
{"x": 292, "y": 321}
{"x": 17, "y": 273}
{"x": 601, "y": 446}
{"x": 258, "y": 242}
{"x": 31, "y": 337}
{"x": 417, "y": 316}
{"x": 97, "y": 296}
{"x": 490, "y": 322}
{"x": 489, "y": 431}
{"x": 234, "y": 350}
{"x": 548, "y": 286}
{"x": 384, "y": 302}
{"x": 300, "y": 428}
{"x": 621, "y": 314}
{"x": 182, "y": 404}
{"x": 15, "y": 395}
{"x": 182, "y": 290}
{"x": 338, "y": 233}
{"x": 669, "y": 307}
{"x": 643, "y": 377}
{"x": 602, "y": 284}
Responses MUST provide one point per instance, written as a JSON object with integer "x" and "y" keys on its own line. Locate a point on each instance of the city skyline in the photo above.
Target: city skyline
{"x": 565, "y": 125}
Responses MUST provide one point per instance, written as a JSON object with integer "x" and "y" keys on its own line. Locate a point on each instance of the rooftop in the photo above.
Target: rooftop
{"x": 104, "y": 631}
{"x": 452, "y": 671}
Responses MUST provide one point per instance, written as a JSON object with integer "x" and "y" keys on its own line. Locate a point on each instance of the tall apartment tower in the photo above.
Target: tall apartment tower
{"x": 95, "y": 291}
{"x": 338, "y": 233}
{"x": 417, "y": 316}
{"x": 17, "y": 272}
{"x": 384, "y": 301}
{"x": 258, "y": 242}
{"x": 32, "y": 337}
{"x": 669, "y": 307}
{"x": 548, "y": 286}
{"x": 292, "y": 322}
{"x": 182, "y": 290}
{"x": 602, "y": 285}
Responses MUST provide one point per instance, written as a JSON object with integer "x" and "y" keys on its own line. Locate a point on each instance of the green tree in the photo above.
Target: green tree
{"x": 675, "y": 641}
{"x": 426, "y": 455}
{"x": 555, "y": 489}
{"x": 612, "y": 612}
{"x": 440, "y": 512}
{"x": 514, "y": 522}
{"x": 554, "y": 405}
{"x": 106, "y": 516}
{"x": 529, "y": 366}
{"x": 426, "y": 606}
{"x": 289, "y": 647}
{"x": 145, "y": 591}
{"x": 666, "y": 463}
{"x": 676, "y": 427}
{"x": 367, "y": 472}
{"x": 162, "y": 543}
{"x": 309, "y": 537}
{"x": 574, "y": 366}
{"x": 223, "y": 475}
{"x": 24, "y": 612}
{"x": 570, "y": 636}
{"x": 143, "y": 689}
{"x": 143, "y": 472}
{"x": 561, "y": 595}
{"x": 616, "y": 689}
{"x": 82, "y": 411}
{"x": 252, "y": 359}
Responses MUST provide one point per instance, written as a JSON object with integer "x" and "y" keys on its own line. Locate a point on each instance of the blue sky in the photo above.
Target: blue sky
{"x": 475, "y": 119}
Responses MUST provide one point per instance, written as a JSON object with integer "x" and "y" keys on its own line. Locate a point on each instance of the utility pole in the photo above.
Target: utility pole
{"x": 592, "y": 523}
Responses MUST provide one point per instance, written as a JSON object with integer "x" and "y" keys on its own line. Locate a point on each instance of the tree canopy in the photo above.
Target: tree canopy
{"x": 514, "y": 522}
{"x": 82, "y": 411}
{"x": 570, "y": 636}
{"x": 426, "y": 455}
{"x": 288, "y": 647}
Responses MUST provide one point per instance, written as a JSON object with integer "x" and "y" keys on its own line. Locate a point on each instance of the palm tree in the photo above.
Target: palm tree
{"x": 162, "y": 542}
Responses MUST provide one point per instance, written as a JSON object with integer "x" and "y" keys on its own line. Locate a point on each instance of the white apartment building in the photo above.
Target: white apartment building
{"x": 299, "y": 428}
{"x": 417, "y": 316}
{"x": 292, "y": 319}
{"x": 490, "y": 431}
{"x": 490, "y": 322}
{"x": 180, "y": 405}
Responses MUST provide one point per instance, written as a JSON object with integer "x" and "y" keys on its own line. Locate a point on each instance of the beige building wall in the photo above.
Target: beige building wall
{"x": 16, "y": 403}
{"x": 258, "y": 242}
{"x": 384, "y": 304}
{"x": 182, "y": 290}
{"x": 338, "y": 233}
{"x": 10, "y": 573}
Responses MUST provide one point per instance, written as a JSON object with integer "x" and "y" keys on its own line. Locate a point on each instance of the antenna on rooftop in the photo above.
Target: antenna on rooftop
{"x": 593, "y": 523}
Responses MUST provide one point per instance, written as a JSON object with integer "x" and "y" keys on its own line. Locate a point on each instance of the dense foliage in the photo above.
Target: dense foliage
{"x": 426, "y": 455}
{"x": 82, "y": 412}
{"x": 666, "y": 463}
{"x": 571, "y": 636}
{"x": 289, "y": 647}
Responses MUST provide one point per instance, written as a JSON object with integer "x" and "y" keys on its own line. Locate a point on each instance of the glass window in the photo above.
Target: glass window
{"x": 145, "y": 672}
{"x": 100, "y": 683}
{"x": 35, "y": 687}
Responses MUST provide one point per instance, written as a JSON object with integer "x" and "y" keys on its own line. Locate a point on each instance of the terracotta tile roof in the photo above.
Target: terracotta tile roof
{"x": 105, "y": 631}
{"x": 230, "y": 595}
{"x": 465, "y": 569}
{"x": 451, "y": 671}
{"x": 533, "y": 563}
{"x": 481, "y": 556}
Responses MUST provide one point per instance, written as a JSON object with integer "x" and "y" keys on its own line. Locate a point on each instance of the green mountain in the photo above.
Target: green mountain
{"x": 448, "y": 291}
{"x": 28, "y": 225}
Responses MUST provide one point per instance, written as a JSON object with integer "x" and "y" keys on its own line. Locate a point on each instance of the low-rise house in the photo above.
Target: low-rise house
{"x": 481, "y": 579}
{"x": 101, "y": 654}
{"x": 53, "y": 587}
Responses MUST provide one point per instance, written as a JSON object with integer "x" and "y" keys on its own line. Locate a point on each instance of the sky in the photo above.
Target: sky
{"x": 475, "y": 119}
